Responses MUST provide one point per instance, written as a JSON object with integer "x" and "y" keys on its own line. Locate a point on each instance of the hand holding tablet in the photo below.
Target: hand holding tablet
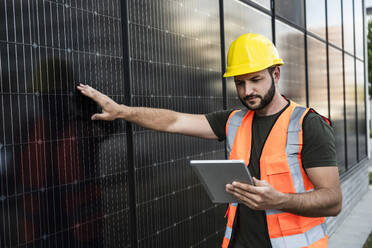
{"x": 215, "y": 174}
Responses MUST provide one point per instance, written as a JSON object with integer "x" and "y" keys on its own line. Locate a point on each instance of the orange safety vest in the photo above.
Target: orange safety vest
{"x": 281, "y": 166}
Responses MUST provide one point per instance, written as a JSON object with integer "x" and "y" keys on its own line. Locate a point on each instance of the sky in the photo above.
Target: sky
{"x": 368, "y": 3}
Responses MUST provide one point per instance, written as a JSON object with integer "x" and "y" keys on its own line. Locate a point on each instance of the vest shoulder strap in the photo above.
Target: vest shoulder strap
{"x": 324, "y": 118}
{"x": 232, "y": 125}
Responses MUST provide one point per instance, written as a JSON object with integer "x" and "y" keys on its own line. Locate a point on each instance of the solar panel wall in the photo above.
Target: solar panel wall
{"x": 317, "y": 75}
{"x": 348, "y": 25}
{"x": 334, "y": 17}
{"x": 350, "y": 100}
{"x": 63, "y": 177}
{"x": 316, "y": 17}
{"x": 175, "y": 64}
{"x": 361, "y": 110}
{"x": 291, "y": 47}
{"x": 336, "y": 91}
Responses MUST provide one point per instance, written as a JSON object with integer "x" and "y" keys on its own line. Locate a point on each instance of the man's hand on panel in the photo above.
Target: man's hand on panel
{"x": 110, "y": 109}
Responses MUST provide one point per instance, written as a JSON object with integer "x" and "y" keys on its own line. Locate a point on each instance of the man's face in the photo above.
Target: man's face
{"x": 255, "y": 90}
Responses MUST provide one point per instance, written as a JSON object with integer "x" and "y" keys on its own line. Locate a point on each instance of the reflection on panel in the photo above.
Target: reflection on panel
{"x": 348, "y": 26}
{"x": 290, "y": 44}
{"x": 240, "y": 18}
{"x": 350, "y": 111}
{"x": 334, "y": 22}
{"x": 175, "y": 64}
{"x": 263, "y": 3}
{"x": 317, "y": 75}
{"x": 359, "y": 41}
{"x": 362, "y": 132}
{"x": 316, "y": 17}
{"x": 292, "y": 10}
{"x": 336, "y": 91}
{"x": 63, "y": 181}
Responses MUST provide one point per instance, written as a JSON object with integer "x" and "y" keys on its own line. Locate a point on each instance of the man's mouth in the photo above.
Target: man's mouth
{"x": 250, "y": 98}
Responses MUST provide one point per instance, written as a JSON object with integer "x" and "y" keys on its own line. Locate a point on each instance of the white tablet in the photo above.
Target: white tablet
{"x": 215, "y": 174}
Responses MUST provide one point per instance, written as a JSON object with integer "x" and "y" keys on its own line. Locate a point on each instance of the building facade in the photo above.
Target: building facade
{"x": 66, "y": 181}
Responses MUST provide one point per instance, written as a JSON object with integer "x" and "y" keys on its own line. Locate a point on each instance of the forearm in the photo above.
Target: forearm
{"x": 317, "y": 203}
{"x": 151, "y": 118}
{"x": 164, "y": 120}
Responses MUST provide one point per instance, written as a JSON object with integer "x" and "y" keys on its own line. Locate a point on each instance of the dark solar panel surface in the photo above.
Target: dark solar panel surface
{"x": 175, "y": 64}
{"x": 63, "y": 178}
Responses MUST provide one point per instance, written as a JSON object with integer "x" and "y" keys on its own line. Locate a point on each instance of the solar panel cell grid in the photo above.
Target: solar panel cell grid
{"x": 169, "y": 72}
{"x": 63, "y": 177}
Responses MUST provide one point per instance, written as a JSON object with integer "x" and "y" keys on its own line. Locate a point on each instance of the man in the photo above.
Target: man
{"x": 289, "y": 149}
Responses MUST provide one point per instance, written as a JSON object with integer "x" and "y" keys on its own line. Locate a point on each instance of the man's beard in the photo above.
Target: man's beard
{"x": 265, "y": 100}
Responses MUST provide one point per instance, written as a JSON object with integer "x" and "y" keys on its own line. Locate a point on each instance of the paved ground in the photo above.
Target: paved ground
{"x": 356, "y": 228}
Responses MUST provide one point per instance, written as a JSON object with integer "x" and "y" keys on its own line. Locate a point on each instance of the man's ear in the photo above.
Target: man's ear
{"x": 276, "y": 73}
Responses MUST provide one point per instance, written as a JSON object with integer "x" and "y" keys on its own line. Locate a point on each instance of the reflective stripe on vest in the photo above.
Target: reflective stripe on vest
{"x": 292, "y": 148}
{"x": 298, "y": 231}
{"x": 228, "y": 232}
{"x": 301, "y": 240}
{"x": 230, "y": 222}
{"x": 233, "y": 123}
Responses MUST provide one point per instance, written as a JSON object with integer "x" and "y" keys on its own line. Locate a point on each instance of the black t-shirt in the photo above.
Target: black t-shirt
{"x": 318, "y": 150}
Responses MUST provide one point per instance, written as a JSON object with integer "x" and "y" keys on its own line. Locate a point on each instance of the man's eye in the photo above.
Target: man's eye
{"x": 239, "y": 82}
{"x": 255, "y": 80}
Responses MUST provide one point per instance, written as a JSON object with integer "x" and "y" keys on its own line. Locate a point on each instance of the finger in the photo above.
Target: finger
{"x": 87, "y": 89}
{"x": 259, "y": 182}
{"x": 101, "y": 116}
{"x": 244, "y": 186}
{"x": 229, "y": 188}
{"x": 82, "y": 86}
{"x": 79, "y": 87}
{"x": 83, "y": 91}
{"x": 248, "y": 195}
{"x": 101, "y": 99}
{"x": 248, "y": 202}
{"x": 96, "y": 95}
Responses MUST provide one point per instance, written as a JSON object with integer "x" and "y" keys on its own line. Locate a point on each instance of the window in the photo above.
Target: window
{"x": 336, "y": 91}
{"x": 334, "y": 22}
{"x": 292, "y": 10}
{"x": 317, "y": 75}
{"x": 291, "y": 47}
{"x": 315, "y": 17}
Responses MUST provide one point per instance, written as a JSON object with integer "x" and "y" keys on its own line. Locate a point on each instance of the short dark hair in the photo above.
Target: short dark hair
{"x": 271, "y": 69}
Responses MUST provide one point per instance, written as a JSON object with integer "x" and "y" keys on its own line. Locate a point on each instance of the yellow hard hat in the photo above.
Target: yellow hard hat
{"x": 251, "y": 53}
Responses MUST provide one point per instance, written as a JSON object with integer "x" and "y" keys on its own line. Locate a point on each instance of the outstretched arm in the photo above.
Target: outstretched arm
{"x": 325, "y": 200}
{"x": 157, "y": 119}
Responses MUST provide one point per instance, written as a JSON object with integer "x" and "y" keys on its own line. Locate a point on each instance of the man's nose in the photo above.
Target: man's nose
{"x": 248, "y": 89}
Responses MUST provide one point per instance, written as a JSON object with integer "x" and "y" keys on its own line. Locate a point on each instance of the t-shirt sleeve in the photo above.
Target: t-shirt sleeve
{"x": 217, "y": 120}
{"x": 318, "y": 148}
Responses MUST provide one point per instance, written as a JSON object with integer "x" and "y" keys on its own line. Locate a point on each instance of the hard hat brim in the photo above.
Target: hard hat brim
{"x": 244, "y": 69}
